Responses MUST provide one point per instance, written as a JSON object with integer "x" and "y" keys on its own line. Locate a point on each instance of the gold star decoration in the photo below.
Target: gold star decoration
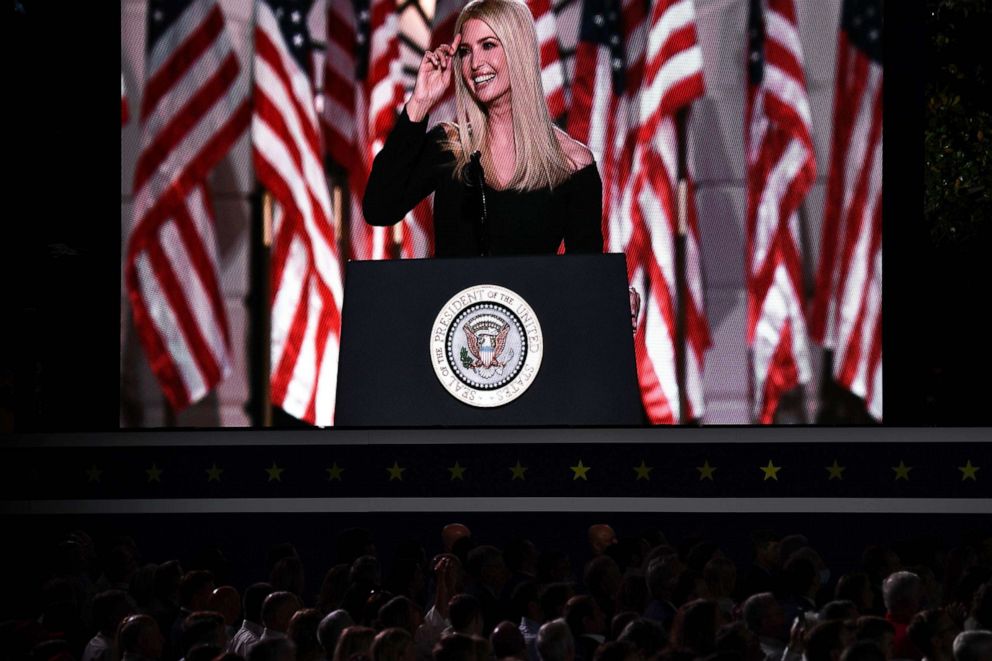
{"x": 275, "y": 473}
{"x": 334, "y": 473}
{"x": 968, "y": 472}
{"x": 154, "y": 474}
{"x": 518, "y": 471}
{"x": 770, "y": 471}
{"x": 93, "y": 473}
{"x": 706, "y": 471}
{"x": 643, "y": 471}
{"x": 457, "y": 471}
{"x": 213, "y": 473}
{"x": 902, "y": 471}
{"x": 580, "y": 471}
{"x": 836, "y": 471}
{"x": 395, "y": 471}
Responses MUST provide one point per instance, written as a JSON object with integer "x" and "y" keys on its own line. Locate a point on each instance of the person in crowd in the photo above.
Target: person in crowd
{"x": 863, "y": 650}
{"x": 553, "y": 597}
{"x": 980, "y": 616}
{"x": 662, "y": 577}
{"x": 736, "y": 641}
{"x": 879, "y": 562}
{"x": 587, "y": 621}
{"x": 330, "y": 628}
{"x": 973, "y": 646}
{"x": 826, "y": 641}
{"x": 932, "y": 633}
{"x": 449, "y": 581}
{"x": 553, "y": 566}
{"x": 110, "y": 607}
{"x": 720, "y": 578}
{"x": 620, "y": 622}
{"x": 601, "y": 536}
{"x": 277, "y": 610}
{"x": 800, "y": 584}
{"x": 540, "y": 187}
{"x": 451, "y": 533}
{"x": 763, "y": 574}
{"x": 695, "y": 626}
{"x": 272, "y": 649}
{"x": 520, "y": 555}
{"x": 461, "y": 647}
{"x": 226, "y": 601}
{"x": 508, "y": 642}
{"x": 526, "y": 609}
{"x": 603, "y": 579}
{"x": 901, "y": 596}
{"x": 616, "y": 650}
{"x": 393, "y": 644}
{"x": 465, "y": 614}
{"x": 876, "y": 630}
{"x": 646, "y": 636}
{"x": 164, "y": 605}
{"x": 354, "y": 641}
{"x": 401, "y": 612}
{"x": 288, "y": 576}
{"x": 195, "y": 589}
{"x": 139, "y": 639}
{"x": 203, "y": 628}
{"x": 838, "y": 610}
{"x": 856, "y": 588}
{"x": 251, "y": 626}
{"x": 764, "y": 616}
{"x": 302, "y": 631}
{"x": 555, "y": 641}
{"x": 333, "y": 589}
{"x": 488, "y": 574}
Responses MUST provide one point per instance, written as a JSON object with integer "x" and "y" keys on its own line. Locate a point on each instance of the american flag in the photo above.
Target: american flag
{"x": 363, "y": 91}
{"x": 125, "y": 111}
{"x": 781, "y": 167}
{"x": 634, "y": 71}
{"x": 194, "y": 107}
{"x": 306, "y": 281}
{"x": 847, "y": 315}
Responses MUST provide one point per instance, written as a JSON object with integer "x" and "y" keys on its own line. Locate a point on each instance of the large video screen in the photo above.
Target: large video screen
{"x": 738, "y": 144}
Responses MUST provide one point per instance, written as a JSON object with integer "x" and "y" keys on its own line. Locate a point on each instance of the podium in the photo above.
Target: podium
{"x": 495, "y": 341}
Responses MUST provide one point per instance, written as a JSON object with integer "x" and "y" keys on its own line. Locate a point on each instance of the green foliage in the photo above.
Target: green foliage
{"x": 957, "y": 170}
{"x": 466, "y": 359}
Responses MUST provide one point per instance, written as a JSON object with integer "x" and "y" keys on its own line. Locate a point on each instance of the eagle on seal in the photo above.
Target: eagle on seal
{"x": 486, "y": 348}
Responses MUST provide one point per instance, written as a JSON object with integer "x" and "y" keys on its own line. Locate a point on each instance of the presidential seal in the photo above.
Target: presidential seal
{"x": 486, "y": 346}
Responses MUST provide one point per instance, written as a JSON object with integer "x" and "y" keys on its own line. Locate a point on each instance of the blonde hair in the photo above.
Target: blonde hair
{"x": 540, "y": 160}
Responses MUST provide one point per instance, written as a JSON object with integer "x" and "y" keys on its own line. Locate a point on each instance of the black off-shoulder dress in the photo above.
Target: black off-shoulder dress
{"x": 412, "y": 164}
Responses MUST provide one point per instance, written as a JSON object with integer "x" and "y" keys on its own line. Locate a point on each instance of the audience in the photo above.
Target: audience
{"x": 641, "y": 598}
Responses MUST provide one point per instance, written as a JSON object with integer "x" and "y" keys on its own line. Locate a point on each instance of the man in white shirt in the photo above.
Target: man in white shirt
{"x": 251, "y": 626}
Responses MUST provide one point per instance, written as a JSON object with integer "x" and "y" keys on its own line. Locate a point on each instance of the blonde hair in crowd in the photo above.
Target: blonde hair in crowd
{"x": 540, "y": 160}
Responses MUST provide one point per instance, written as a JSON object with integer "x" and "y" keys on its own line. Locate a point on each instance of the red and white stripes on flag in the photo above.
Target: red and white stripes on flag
{"x": 194, "y": 107}
{"x": 552, "y": 69}
{"x": 633, "y": 72}
{"x": 781, "y": 167}
{"x": 125, "y": 111}
{"x": 364, "y": 90}
{"x": 673, "y": 79}
{"x": 847, "y": 315}
{"x": 306, "y": 279}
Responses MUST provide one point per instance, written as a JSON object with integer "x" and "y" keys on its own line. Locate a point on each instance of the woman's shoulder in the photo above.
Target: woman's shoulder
{"x": 575, "y": 151}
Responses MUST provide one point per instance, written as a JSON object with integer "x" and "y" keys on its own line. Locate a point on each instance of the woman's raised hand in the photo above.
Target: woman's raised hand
{"x": 433, "y": 79}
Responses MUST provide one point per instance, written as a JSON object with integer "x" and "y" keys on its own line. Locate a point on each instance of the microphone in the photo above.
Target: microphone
{"x": 479, "y": 176}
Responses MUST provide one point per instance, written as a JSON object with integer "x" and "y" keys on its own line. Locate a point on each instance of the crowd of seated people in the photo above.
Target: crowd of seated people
{"x": 640, "y": 599}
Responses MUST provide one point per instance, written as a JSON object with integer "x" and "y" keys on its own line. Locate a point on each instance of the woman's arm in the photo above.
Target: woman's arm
{"x": 584, "y": 220}
{"x": 404, "y": 172}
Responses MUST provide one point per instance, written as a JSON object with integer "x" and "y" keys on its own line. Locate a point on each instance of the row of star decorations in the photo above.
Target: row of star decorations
{"x": 580, "y": 471}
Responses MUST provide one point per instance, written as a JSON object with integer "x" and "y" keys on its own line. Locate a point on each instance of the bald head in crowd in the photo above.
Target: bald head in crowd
{"x": 226, "y": 601}
{"x": 451, "y": 533}
{"x": 508, "y": 641}
{"x": 973, "y": 646}
{"x": 278, "y": 609}
{"x": 601, "y": 537}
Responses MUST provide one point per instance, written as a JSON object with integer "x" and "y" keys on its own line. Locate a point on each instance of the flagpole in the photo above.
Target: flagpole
{"x": 681, "y": 285}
